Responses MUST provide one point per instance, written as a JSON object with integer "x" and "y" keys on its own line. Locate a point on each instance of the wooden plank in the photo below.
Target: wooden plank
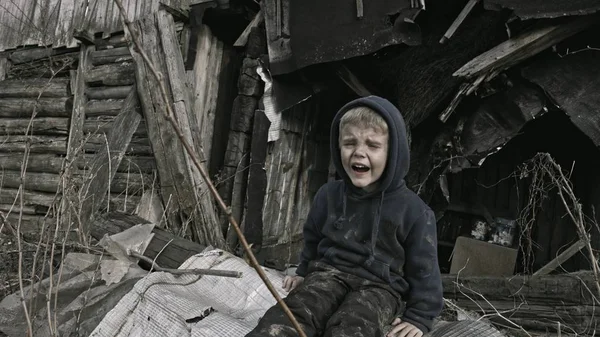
{"x": 257, "y": 181}
{"x": 169, "y": 250}
{"x": 560, "y": 259}
{"x": 459, "y": 20}
{"x": 116, "y": 92}
{"x": 43, "y": 107}
{"x": 205, "y": 82}
{"x": 206, "y": 225}
{"x": 35, "y": 144}
{"x": 522, "y": 47}
{"x": 243, "y": 39}
{"x": 63, "y": 35}
{"x": 56, "y": 87}
{"x": 35, "y": 126}
{"x": 101, "y": 173}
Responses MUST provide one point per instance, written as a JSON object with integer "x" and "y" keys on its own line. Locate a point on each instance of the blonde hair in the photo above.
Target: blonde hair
{"x": 364, "y": 117}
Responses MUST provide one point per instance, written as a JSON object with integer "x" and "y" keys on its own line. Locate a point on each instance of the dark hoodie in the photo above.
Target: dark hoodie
{"x": 388, "y": 235}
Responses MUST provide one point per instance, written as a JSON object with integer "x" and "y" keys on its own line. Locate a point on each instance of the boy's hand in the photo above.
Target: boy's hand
{"x": 404, "y": 329}
{"x": 291, "y": 282}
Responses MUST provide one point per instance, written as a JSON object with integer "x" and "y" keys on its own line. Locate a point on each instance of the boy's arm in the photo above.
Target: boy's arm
{"x": 424, "y": 301}
{"x": 312, "y": 231}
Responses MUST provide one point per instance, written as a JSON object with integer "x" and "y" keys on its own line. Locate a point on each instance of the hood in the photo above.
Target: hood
{"x": 399, "y": 153}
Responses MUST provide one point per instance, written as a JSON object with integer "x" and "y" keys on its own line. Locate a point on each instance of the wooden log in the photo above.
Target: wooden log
{"x": 43, "y": 107}
{"x": 28, "y": 55}
{"x": 522, "y": 47}
{"x": 101, "y": 174}
{"x": 104, "y": 124}
{"x": 131, "y": 164}
{"x": 41, "y": 200}
{"x": 30, "y": 224}
{"x": 257, "y": 181}
{"x": 560, "y": 259}
{"x": 104, "y": 56}
{"x": 249, "y": 83}
{"x": 36, "y": 144}
{"x": 57, "y": 66}
{"x": 36, "y": 126}
{"x": 137, "y": 146}
{"x": 43, "y": 87}
{"x": 170, "y": 251}
{"x": 35, "y": 162}
{"x": 118, "y": 92}
{"x": 132, "y": 183}
{"x": 182, "y": 188}
{"x": 15, "y": 209}
{"x": 113, "y": 74}
{"x": 96, "y": 108}
{"x": 243, "y": 112}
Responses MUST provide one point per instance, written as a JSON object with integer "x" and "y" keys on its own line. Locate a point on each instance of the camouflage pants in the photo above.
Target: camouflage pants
{"x": 333, "y": 303}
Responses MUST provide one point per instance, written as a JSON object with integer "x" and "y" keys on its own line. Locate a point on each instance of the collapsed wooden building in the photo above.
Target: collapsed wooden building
{"x": 254, "y": 87}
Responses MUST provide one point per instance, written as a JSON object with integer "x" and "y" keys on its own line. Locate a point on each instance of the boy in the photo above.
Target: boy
{"x": 369, "y": 242}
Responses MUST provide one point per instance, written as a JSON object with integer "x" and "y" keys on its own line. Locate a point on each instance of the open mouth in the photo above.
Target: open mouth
{"x": 360, "y": 168}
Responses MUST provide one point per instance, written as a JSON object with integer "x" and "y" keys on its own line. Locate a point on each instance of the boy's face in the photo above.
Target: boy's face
{"x": 364, "y": 154}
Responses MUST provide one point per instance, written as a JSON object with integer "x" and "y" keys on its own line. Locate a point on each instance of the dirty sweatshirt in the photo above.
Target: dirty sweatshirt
{"x": 388, "y": 235}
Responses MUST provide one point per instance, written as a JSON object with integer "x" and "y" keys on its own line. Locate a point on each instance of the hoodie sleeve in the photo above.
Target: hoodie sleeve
{"x": 312, "y": 230}
{"x": 424, "y": 301}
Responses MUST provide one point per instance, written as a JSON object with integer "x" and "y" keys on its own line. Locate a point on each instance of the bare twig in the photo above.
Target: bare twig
{"x": 169, "y": 115}
{"x": 209, "y": 272}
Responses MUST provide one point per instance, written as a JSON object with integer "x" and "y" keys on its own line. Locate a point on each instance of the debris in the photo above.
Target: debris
{"x": 461, "y": 17}
{"x": 572, "y": 250}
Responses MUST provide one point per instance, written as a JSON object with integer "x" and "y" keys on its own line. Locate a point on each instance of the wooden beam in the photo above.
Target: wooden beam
{"x": 37, "y": 144}
{"x": 183, "y": 189}
{"x": 351, "y": 80}
{"x": 170, "y": 251}
{"x": 104, "y": 56}
{"x": 117, "y": 92}
{"x": 100, "y": 176}
{"x": 516, "y": 49}
{"x": 112, "y": 74}
{"x": 560, "y": 259}
{"x": 243, "y": 39}
{"x": 79, "y": 102}
{"x": 95, "y": 108}
{"x": 459, "y": 20}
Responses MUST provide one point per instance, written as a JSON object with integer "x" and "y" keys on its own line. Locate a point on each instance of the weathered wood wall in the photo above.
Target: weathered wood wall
{"x": 56, "y": 23}
{"x": 44, "y": 116}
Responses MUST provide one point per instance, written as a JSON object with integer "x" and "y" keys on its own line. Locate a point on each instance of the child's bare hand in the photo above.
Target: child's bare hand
{"x": 291, "y": 282}
{"x": 404, "y": 329}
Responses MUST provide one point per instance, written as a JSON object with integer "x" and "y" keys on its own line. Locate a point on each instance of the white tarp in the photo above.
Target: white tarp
{"x": 162, "y": 304}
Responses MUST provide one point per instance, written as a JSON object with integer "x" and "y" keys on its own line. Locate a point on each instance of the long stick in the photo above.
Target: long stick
{"x": 212, "y": 272}
{"x": 169, "y": 115}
